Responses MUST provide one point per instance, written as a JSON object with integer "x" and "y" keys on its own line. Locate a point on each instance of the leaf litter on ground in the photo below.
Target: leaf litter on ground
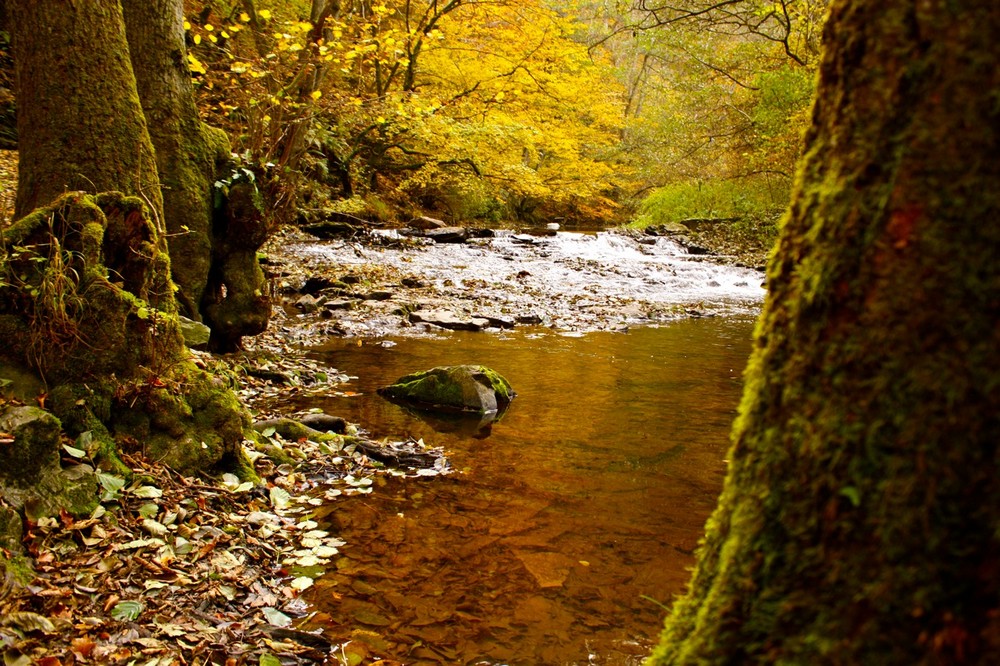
{"x": 176, "y": 570}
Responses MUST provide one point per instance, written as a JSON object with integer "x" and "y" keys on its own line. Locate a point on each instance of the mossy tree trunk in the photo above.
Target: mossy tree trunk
{"x": 80, "y": 122}
{"x": 860, "y": 521}
{"x": 214, "y": 231}
{"x": 86, "y": 297}
{"x": 187, "y": 152}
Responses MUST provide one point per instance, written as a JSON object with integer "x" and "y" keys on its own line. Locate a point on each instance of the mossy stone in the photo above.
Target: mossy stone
{"x": 458, "y": 388}
{"x": 31, "y": 476}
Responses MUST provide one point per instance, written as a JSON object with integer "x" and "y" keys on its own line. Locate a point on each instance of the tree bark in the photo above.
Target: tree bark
{"x": 78, "y": 108}
{"x": 214, "y": 232}
{"x": 860, "y": 520}
{"x": 85, "y": 291}
{"x": 187, "y": 152}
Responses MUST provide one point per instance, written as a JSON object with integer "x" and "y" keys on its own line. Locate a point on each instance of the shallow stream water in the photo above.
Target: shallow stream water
{"x": 566, "y": 524}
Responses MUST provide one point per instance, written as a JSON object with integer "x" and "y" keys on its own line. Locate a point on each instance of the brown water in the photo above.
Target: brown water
{"x": 565, "y": 524}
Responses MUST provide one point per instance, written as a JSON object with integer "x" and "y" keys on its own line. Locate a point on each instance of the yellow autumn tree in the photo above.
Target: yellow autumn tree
{"x": 472, "y": 109}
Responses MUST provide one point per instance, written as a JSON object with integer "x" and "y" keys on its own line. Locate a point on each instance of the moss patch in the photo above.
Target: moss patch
{"x": 461, "y": 388}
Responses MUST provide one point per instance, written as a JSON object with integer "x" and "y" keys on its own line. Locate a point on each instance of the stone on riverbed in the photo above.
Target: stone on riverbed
{"x": 449, "y": 320}
{"x": 448, "y": 234}
{"x": 425, "y": 223}
{"x": 456, "y": 388}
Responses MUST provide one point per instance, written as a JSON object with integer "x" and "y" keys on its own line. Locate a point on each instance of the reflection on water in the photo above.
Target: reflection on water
{"x": 566, "y": 524}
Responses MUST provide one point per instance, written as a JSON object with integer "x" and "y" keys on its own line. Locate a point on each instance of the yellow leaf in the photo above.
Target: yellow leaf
{"x": 195, "y": 65}
{"x": 213, "y": 39}
{"x": 224, "y": 34}
{"x": 245, "y": 17}
{"x": 209, "y": 27}
{"x": 187, "y": 25}
{"x": 316, "y": 94}
{"x": 264, "y": 14}
{"x": 197, "y": 39}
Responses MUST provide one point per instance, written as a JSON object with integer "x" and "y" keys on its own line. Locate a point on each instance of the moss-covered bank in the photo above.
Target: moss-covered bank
{"x": 86, "y": 304}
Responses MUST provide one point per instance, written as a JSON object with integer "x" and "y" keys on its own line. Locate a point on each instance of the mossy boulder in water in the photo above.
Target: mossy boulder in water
{"x": 457, "y": 388}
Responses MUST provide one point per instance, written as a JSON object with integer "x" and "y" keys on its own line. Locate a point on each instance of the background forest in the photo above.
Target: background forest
{"x": 586, "y": 113}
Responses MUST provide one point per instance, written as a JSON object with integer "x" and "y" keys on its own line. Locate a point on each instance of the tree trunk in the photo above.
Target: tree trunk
{"x": 214, "y": 214}
{"x": 85, "y": 291}
{"x": 78, "y": 108}
{"x": 187, "y": 152}
{"x": 860, "y": 521}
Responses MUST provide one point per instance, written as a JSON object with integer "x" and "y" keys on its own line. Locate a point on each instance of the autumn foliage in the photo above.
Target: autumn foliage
{"x": 512, "y": 110}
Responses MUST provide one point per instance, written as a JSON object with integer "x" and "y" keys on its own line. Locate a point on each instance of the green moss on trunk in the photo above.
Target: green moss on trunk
{"x": 116, "y": 363}
{"x": 859, "y": 522}
{"x": 80, "y": 124}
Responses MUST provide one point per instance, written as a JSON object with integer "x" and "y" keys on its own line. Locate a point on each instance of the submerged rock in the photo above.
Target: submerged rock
{"x": 457, "y": 388}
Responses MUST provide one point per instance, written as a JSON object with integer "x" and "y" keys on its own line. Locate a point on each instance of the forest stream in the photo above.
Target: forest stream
{"x": 568, "y": 523}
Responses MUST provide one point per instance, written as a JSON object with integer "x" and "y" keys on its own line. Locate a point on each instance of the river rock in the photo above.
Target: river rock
{"x": 425, "y": 223}
{"x": 531, "y": 319}
{"x": 329, "y": 229}
{"x": 308, "y": 303}
{"x": 449, "y": 320}
{"x": 668, "y": 229}
{"x": 692, "y": 247}
{"x": 457, "y": 388}
{"x": 448, "y": 234}
{"x": 340, "y": 304}
{"x": 316, "y": 284}
{"x": 377, "y": 295}
{"x": 325, "y": 423}
{"x": 495, "y": 321}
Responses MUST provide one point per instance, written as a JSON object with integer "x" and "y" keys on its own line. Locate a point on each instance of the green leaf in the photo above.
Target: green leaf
{"x": 73, "y": 451}
{"x": 269, "y": 660}
{"x": 86, "y": 442}
{"x": 280, "y": 499}
{"x": 267, "y": 432}
{"x": 852, "y": 494}
{"x": 127, "y": 611}
{"x": 112, "y": 484}
{"x": 276, "y": 617}
{"x": 148, "y": 492}
{"x": 149, "y": 510}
